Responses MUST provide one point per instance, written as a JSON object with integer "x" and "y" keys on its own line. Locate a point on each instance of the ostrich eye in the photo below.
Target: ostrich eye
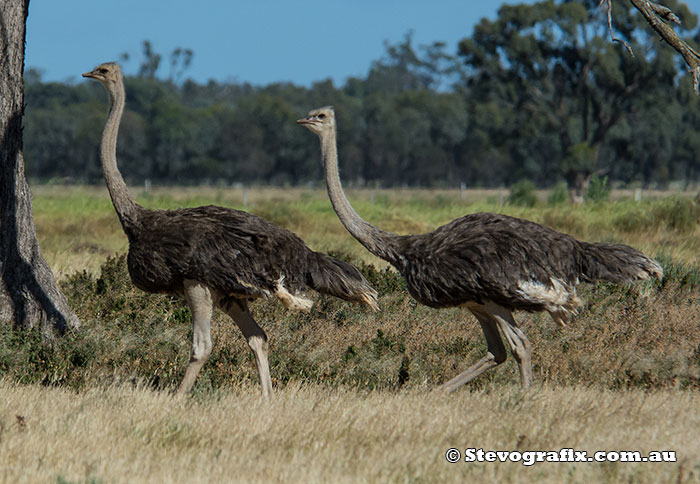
{"x": 102, "y": 71}
{"x": 321, "y": 116}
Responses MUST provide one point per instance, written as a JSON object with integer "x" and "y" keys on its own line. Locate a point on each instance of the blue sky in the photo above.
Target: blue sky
{"x": 257, "y": 41}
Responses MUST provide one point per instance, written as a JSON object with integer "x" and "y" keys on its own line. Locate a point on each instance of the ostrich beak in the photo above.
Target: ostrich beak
{"x": 88, "y": 74}
{"x": 308, "y": 120}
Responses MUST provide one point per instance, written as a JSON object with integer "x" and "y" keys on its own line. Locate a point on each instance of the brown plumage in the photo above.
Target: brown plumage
{"x": 486, "y": 257}
{"x": 491, "y": 263}
{"x": 217, "y": 256}
{"x": 235, "y": 252}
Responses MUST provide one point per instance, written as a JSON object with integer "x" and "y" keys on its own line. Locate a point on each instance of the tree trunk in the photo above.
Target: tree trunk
{"x": 28, "y": 296}
{"x": 578, "y": 183}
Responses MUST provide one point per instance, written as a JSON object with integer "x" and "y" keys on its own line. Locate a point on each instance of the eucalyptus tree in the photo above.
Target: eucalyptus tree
{"x": 552, "y": 66}
{"x": 28, "y": 294}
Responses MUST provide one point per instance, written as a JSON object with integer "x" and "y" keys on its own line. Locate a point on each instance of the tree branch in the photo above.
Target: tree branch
{"x": 655, "y": 14}
{"x": 665, "y": 13}
{"x": 610, "y": 26}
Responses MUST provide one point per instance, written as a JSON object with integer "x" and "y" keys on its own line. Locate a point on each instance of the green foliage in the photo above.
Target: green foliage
{"x": 531, "y": 95}
{"x": 558, "y": 195}
{"x": 127, "y": 328}
{"x": 386, "y": 281}
{"x": 679, "y": 214}
{"x": 634, "y": 218}
{"x": 580, "y": 158}
{"x": 574, "y": 101}
{"x": 685, "y": 276}
{"x": 598, "y": 190}
{"x": 522, "y": 194}
{"x": 88, "y": 480}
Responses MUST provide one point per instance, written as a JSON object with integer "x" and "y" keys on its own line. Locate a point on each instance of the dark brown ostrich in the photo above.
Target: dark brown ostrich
{"x": 216, "y": 256}
{"x": 492, "y": 264}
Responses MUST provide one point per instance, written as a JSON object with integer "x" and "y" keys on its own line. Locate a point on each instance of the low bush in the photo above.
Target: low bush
{"x": 522, "y": 194}
{"x": 635, "y": 335}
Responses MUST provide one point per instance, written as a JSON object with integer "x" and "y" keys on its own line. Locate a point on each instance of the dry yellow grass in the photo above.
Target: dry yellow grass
{"x": 313, "y": 434}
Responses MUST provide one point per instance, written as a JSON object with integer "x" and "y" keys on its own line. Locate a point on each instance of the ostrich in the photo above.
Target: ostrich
{"x": 216, "y": 256}
{"x": 490, "y": 263}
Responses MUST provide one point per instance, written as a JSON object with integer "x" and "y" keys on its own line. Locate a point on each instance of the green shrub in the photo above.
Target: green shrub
{"x": 687, "y": 277}
{"x": 633, "y": 218}
{"x": 598, "y": 190}
{"x": 522, "y": 194}
{"x": 558, "y": 195}
{"x": 385, "y": 281}
{"x": 677, "y": 213}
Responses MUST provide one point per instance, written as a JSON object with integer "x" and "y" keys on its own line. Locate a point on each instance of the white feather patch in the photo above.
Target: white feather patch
{"x": 289, "y": 300}
{"x": 559, "y": 299}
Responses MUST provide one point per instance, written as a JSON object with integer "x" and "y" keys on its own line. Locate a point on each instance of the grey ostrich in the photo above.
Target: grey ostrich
{"x": 490, "y": 263}
{"x": 216, "y": 256}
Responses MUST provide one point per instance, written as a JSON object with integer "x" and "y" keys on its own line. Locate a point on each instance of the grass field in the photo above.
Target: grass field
{"x": 353, "y": 388}
{"x": 77, "y": 227}
{"x": 311, "y": 433}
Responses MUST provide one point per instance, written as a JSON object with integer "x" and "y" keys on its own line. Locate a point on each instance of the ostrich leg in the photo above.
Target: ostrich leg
{"x": 201, "y": 305}
{"x": 495, "y": 355}
{"x": 520, "y": 346}
{"x": 256, "y": 338}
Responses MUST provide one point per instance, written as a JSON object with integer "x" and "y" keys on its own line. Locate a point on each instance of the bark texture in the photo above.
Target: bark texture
{"x": 28, "y": 295}
{"x": 658, "y": 17}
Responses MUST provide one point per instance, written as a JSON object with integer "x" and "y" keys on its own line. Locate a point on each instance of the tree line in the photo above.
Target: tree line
{"x": 539, "y": 93}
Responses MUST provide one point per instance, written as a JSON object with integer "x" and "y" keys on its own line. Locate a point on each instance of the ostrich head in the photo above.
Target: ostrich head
{"x": 108, "y": 74}
{"x": 319, "y": 120}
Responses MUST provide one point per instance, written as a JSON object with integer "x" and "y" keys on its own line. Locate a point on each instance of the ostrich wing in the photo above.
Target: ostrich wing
{"x": 486, "y": 256}
{"x": 233, "y": 251}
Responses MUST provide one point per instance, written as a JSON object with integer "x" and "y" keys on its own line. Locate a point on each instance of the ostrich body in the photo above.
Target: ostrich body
{"x": 493, "y": 264}
{"x": 216, "y": 256}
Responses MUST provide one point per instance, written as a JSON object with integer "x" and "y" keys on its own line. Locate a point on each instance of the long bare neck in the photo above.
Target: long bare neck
{"x": 382, "y": 244}
{"x": 126, "y": 208}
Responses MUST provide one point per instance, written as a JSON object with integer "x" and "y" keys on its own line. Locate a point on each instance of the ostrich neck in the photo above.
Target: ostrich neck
{"x": 124, "y": 205}
{"x": 380, "y": 243}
